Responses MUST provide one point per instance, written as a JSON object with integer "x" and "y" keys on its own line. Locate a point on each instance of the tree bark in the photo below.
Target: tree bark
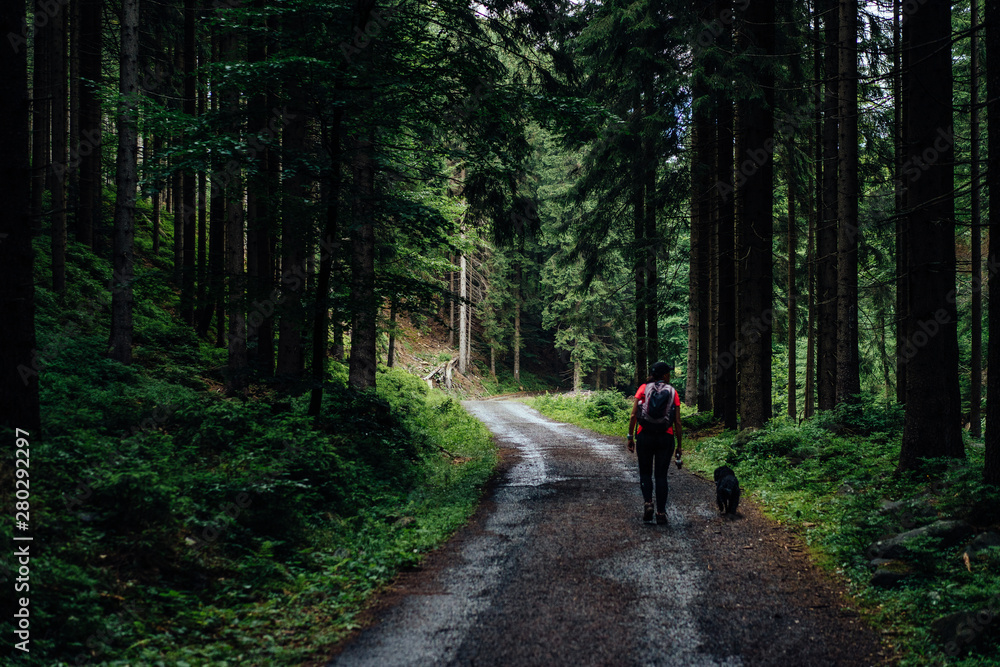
{"x": 991, "y": 469}
{"x": 932, "y": 423}
{"x": 848, "y": 362}
{"x": 792, "y": 325}
{"x": 755, "y": 139}
{"x": 975, "y": 389}
{"x": 217, "y": 233}
{"x": 41, "y": 121}
{"x": 189, "y": 205}
{"x": 463, "y": 323}
{"x": 260, "y": 322}
{"x": 361, "y": 373}
{"x": 291, "y": 322}
{"x": 232, "y": 193}
{"x": 390, "y": 357}
{"x": 59, "y": 174}
{"x": 653, "y": 240}
{"x": 701, "y": 246}
{"x": 641, "y": 361}
{"x": 691, "y": 381}
{"x": 154, "y": 157}
{"x": 73, "y": 64}
{"x": 518, "y": 302}
{"x": 725, "y": 370}
{"x": 19, "y": 407}
{"x": 826, "y": 234}
{"x": 901, "y": 245}
{"x": 123, "y": 260}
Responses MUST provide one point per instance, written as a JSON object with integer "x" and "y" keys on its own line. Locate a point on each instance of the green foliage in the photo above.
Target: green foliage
{"x": 606, "y": 405}
{"x": 506, "y": 384}
{"x": 830, "y": 485}
{"x": 606, "y": 412}
{"x": 183, "y": 527}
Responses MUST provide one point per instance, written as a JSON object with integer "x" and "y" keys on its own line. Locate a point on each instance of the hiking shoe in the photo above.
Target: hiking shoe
{"x": 661, "y": 517}
{"x": 647, "y": 512}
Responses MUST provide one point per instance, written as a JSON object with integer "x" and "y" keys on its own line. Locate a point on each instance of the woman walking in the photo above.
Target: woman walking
{"x": 657, "y": 412}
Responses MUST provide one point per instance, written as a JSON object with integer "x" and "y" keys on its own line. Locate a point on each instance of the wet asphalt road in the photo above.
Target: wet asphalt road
{"x": 557, "y": 568}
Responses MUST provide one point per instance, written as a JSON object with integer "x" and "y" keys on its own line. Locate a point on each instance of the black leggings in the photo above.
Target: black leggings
{"x": 654, "y": 451}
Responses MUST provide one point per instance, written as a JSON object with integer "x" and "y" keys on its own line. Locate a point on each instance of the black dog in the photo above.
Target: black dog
{"x": 727, "y": 490}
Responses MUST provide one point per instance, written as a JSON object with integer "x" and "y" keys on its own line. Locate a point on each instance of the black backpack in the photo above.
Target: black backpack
{"x": 658, "y": 407}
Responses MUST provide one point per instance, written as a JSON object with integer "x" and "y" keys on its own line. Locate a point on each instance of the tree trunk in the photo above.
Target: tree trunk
{"x": 725, "y": 371}
{"x": 991, "y": 469}
{"x": 177, "y": 191}
{"x": 189, "y": 205}
{"x": 701, "y": 249}
{"x": 653, "y": 240}
{"x": 451, "y": 305}
{"x": 390, "y": 360}
{"x": 41, "y": 117}
{"x": 815, "y": 213}
{"x": 156, "y": 203}
{"x": 518, "y": 298}
{"x": 691, "y": 381}
{"x": 468, "y": 338}
{"x": 260, "y": 213}
{"x": 848, "y": 363}
{"x": 932, "y": 423}
{"x": 641, "y": 362}
{"x": 902, "y": 279}
{"x": 237, "y": 366}
{"x": 216, "y": 233}
{"x": 125, "y": 182}
{"x": 826, "y": 233}
{"x": 19, "y": 408}
{"x": 331, "y": 232}
{"x": 361, "y": 374}
{"x": 176, "y": 198}
{"x": 756, "y": 202}
{"x": 73, "y": 63}
{"x": 792, "y": 325}
{"x": 59, "y": 161}
{"x": 293, "y": 254}
{"x": 463, "y": 324}
{"x": 232, "y": 193}
{"x": 975, "y": 389}
{"x": 809, "y": 388}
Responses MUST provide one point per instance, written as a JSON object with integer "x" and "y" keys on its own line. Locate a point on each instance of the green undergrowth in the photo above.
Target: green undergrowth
{"x": 173, "y": 526}
{"x": 504, "y": 383}
{"x": 829, "y": 479}
{"x": 606, "y": 411}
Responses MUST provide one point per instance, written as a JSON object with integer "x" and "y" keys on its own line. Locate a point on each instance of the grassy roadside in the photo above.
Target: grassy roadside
{"x": 174, "y": 526}
{"x": 832, "y": 480}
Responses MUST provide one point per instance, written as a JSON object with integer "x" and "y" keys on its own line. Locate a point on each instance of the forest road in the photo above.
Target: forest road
{"x": 558, "y": 568}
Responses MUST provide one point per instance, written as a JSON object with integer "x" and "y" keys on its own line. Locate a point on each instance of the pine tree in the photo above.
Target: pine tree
{"x": 126, "y": 179}
{"x": 991, "y": 472}
{"x": 755, "y": 193}
{"x": 19, "y": 384}
{"x": 933, "y": 411}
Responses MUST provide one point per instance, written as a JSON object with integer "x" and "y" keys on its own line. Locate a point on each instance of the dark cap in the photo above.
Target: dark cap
{"x": 659, "y": 369}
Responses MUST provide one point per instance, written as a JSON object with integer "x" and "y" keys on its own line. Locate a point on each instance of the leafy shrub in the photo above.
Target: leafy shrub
{"x": 606, "y": 405}
{"x": 698, "y": 421}
{"x": 864, "y": 416}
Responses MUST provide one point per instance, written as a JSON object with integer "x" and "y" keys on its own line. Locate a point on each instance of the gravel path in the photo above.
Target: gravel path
{"x": 558, "y": 568}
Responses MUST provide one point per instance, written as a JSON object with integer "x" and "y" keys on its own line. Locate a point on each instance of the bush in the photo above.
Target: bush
{"x": 606, "y": 405}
